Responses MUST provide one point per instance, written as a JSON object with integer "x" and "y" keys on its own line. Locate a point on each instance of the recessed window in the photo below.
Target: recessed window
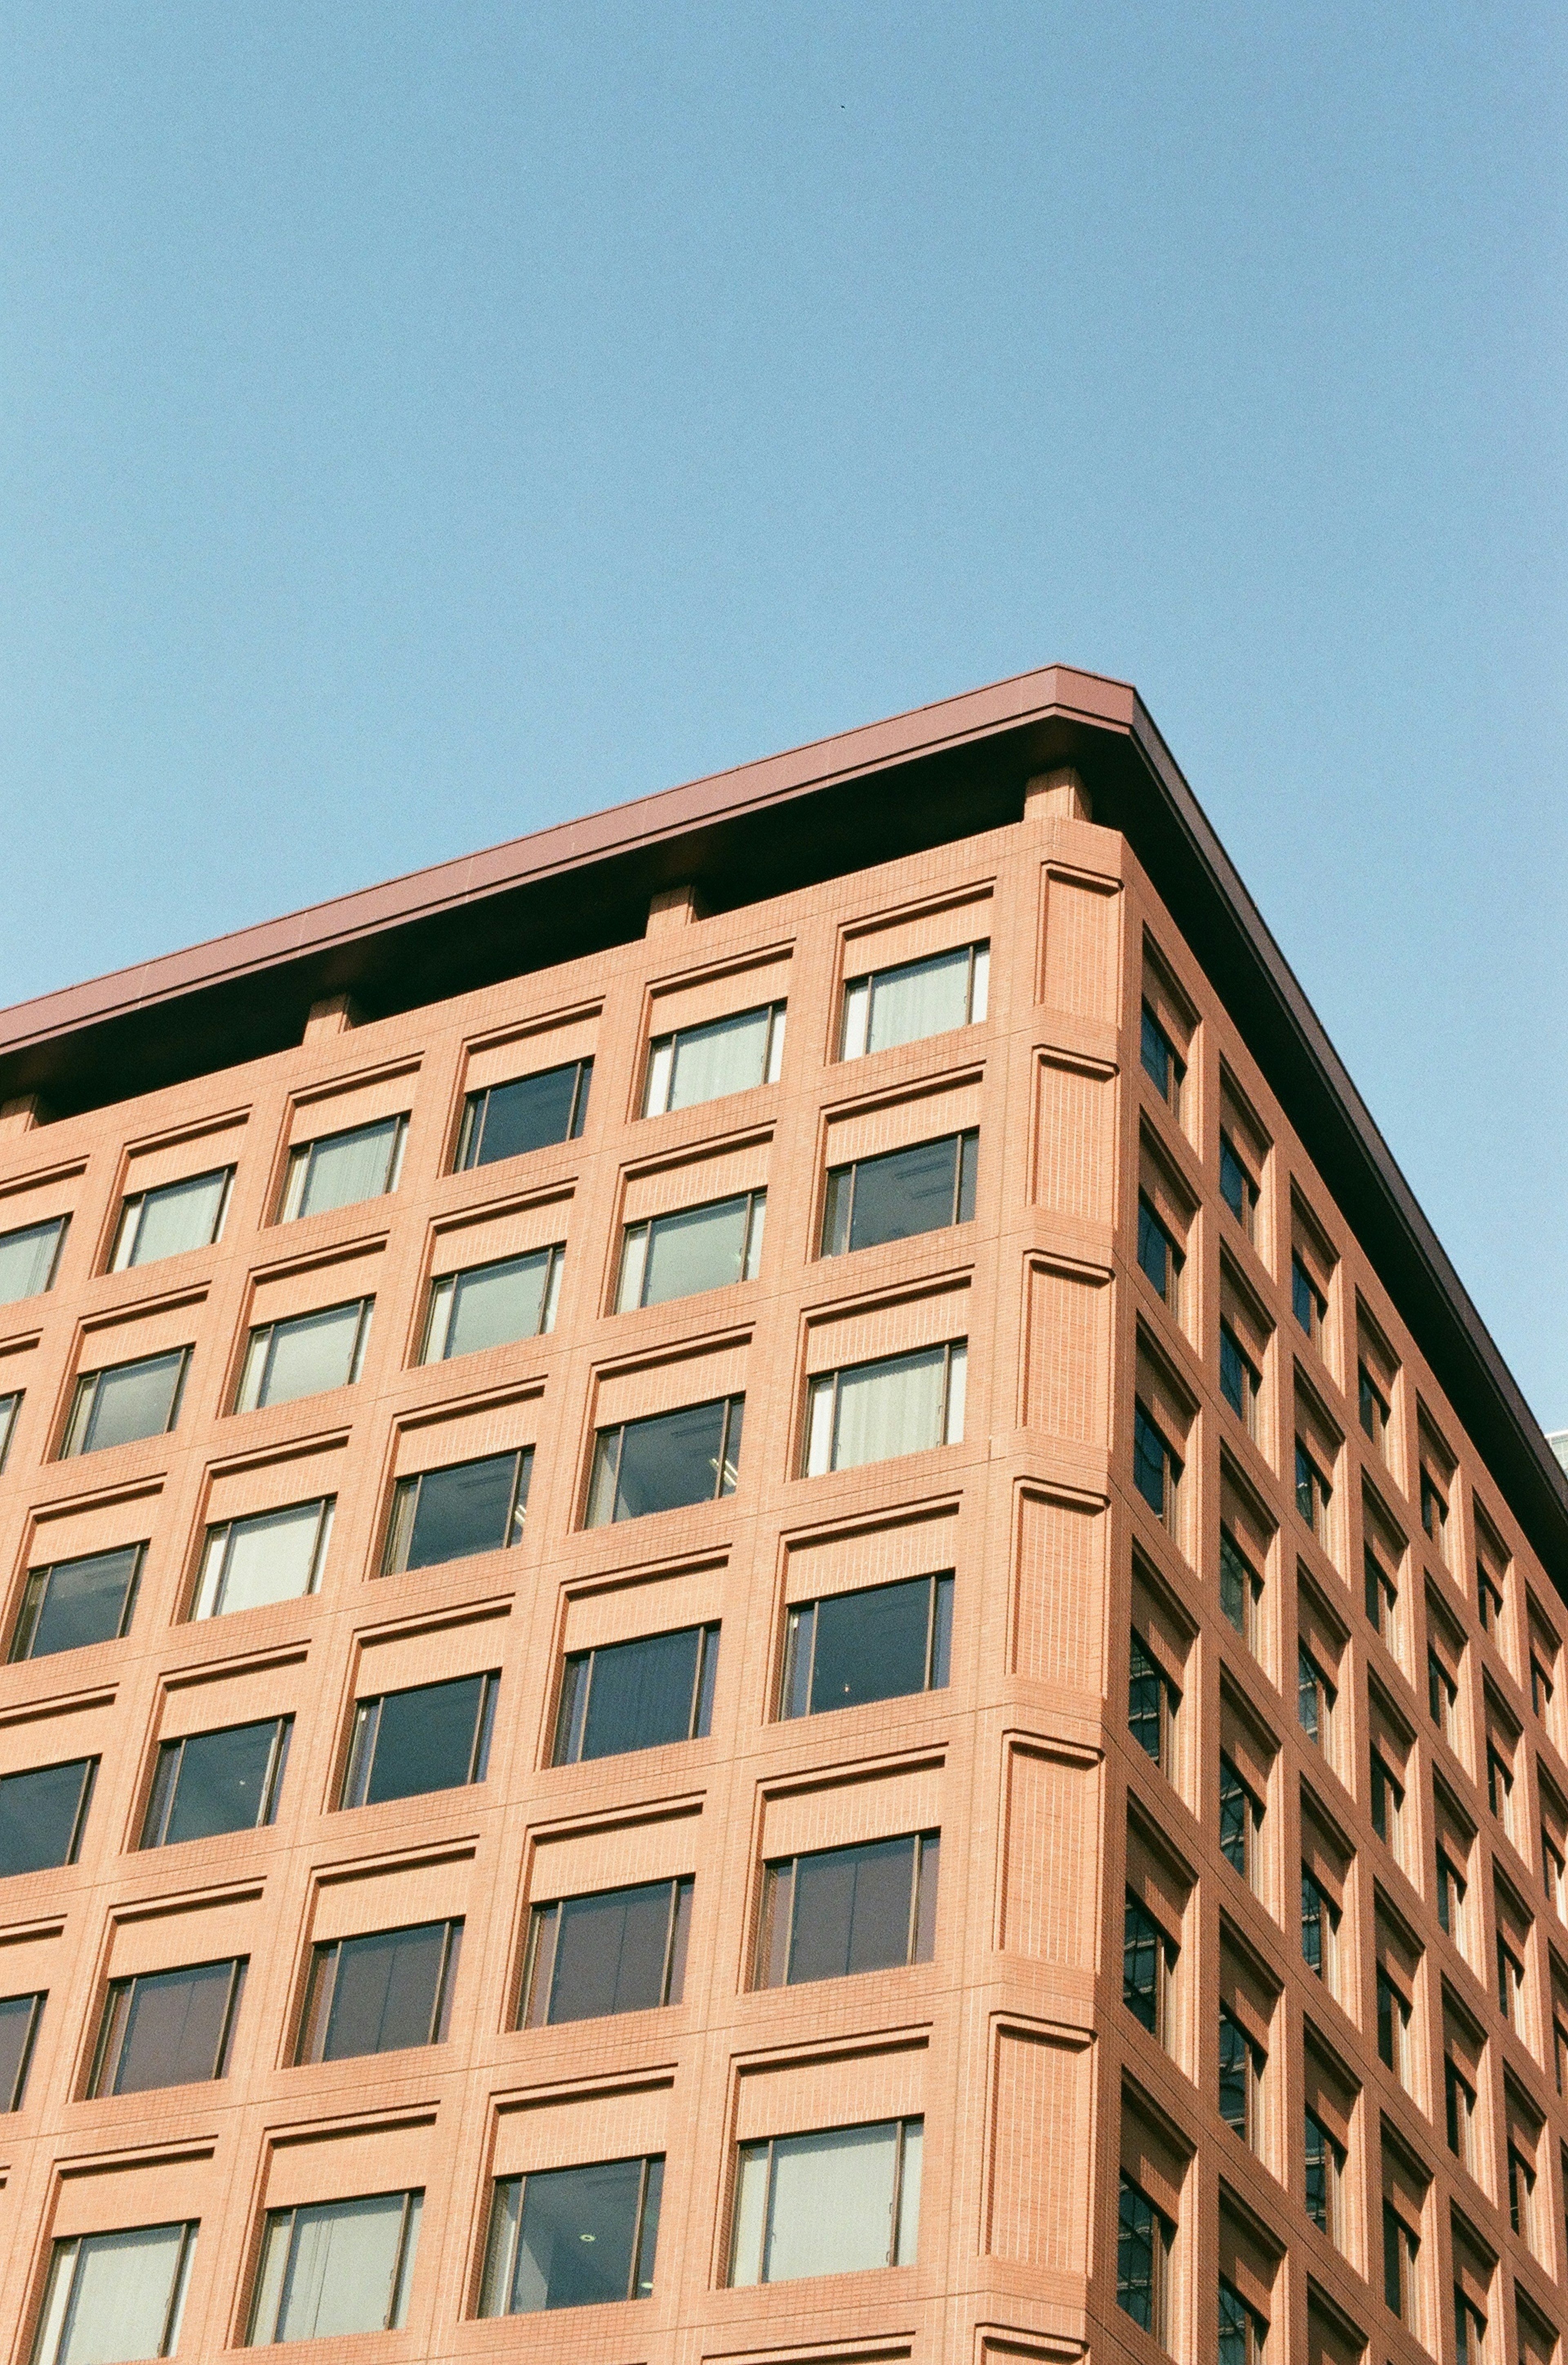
{"x": 1387, "y": 1805}
{"x": 1442, "y": 1698}
{"x": 1242, "y": 2331}
{"x": 431, "y": 1737}
{"x": 530, "y": 1113}
{"x": 1542, "y": 1690}
{"x": 1319, "y": 1929}
{"x": 572, "y": 2238}
{"x": 1148, "y": 1963}
{"x": 894, "y": 1405}
{"x": 665, "y": 1462}
{"x": 29, "y": 1259}
{"x": 1435, "y": 1514}
{"x": 1236, "y": 1187}
{"x": 1308, "y": 1303}
{"x": 1160, "y": 1258}
{"x": 492, "y": 1305}
{"x": 870, "y": 1907}
{"x": 1401, "y": 2248}
{"x": 1241, "y": 2066}
{"x": 1240, "y": 1822}
{"x": 620, "y": 1950}
{"x": 705, "y": 1063}
{"x": 1314, "y": 1699}
{"x": 167, "y": 2028}
{"x": 1469, "y": 2332}
{"x": 637, "y": 1695}
{"x": 1380, "y": 1595}
{"x": 1521, "y": 2195}
{"x": 1451, "y": 1891}
{"x": 1459, "y": 2114}
{"x": 900, "y": 1194}
{"x": 270, "y": 1556}
{"x": 43, "y": 1812}
{"x": 1500, "y": 1788}
{"x": 1240, "y": 1590}
{"x": 1325, "y": 2170}
{"x": 73, "y": 1603}
{"x": 1239, "y": 1379}
{"x": 339, "y": 1169}
{"x": 1393, "y": 2027}
{"x": 904, "y": 1005}
{"x": 1313, "y": 1493}
{"x": 1373, "y": 1408}
{"x": 1510, "y": 1985}
{"x": 1162, "y": 1063}
{"x": 1156, "y": 1467}
{"x": 213, "y": 1782}
{"x": 1489, "y": 1599}
{"x": 379, "y": 1994}
{"x": 833, "y": 2203}
{"x": 1144, "y": 2239}
{"x": 174, "y": 1217}
{"x": 342, "y": 2265}
{"x": 119, "y": 2294}
{"x": 454, "y": 1513}
{"x": 1152, "y": 1702}
{"x": 884, "y": 1641}
{"x": 19, "y": 2018}
{"x": 305, "y": 1355}
{"x": 691, "y": 1250}
{"x": 9, "y": 1406}
{"x": 124, "y": 1402}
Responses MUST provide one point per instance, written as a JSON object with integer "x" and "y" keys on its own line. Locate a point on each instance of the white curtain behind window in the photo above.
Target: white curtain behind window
{"x": 924, "y": 997}
{"x": 726, "y": 1057}
{"x": 830, "y": 2207}
{"x": 124, "y": 2285}
{"x": 890, "y": 1406}
{"x": 268, "y": 1559}
{"x": 349, "y": 1167}
{"x": 341, "y": 2271}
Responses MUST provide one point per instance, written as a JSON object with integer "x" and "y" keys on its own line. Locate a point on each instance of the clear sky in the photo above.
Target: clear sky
{"x": 419, "y": 424}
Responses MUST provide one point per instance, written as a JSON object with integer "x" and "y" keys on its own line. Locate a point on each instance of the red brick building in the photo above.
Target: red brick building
{"x": 766, "y": 1600}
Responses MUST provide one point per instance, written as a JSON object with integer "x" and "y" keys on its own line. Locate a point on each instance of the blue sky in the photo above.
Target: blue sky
{"x": 421, "y": 424}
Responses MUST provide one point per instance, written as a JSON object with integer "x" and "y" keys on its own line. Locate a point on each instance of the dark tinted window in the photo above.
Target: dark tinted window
{"x": 1145, "y": 1952}
{"x": 900, "y": 1193}
{"x": 19, "y": 2017}
{"x": 125, "y": 1402}
{"x": 530, "y": 1113}
{"x": 665, "y": 1462}
{"x": 637, "y": 1695}
{"x": 1155, "y": 1466}
{"x": 381, "y": 1992}
{"x": 470, "y": 1507}
{"x": 215, "y": 1782}
{"x": 433, "y": 1737}
{"x": 42, "y": 1813}
{"x": 167, "y": 2028}
{"x": 838, "y": 1910}
{"x": 572, "y": 2238}
{"x": 623, "y": 1950}
{"x": 879, "y": 1643}
{"x": 75, "y": 1602}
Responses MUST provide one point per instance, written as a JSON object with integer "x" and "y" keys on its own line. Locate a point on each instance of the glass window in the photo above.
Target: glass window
{"x": 704, "y": 1064}
{"x": 1315, "y": 1698}
{"x": 1469, "y": 2332}
{"x": 1451, "y": 1900}
{"x": 1325, "y": 2165}
{"x": 917, "y": 997}
{"x": 1162, "y": 1064}
{"x": 42, "y": 1814}
{"x": 73, "y": 1603}
{"x": 19, "y": 2018}
{"x": 620, "y": 1950}
{"x": 9, "y": 1406}
{"x": 29, "y": 1259}
{"x": 1236, "y": 1187}
{"x": 1373, "y": 1406}
{"x": 1161, "y": 1261}
{"x": 828, "y": 2204}
{"x": 1156, "y": 1470}
{"x": 1242, "y": 2330}
{"x": 1152, "y": 1700}
{"x": 900, "y": 1193}
{"x": 1393, "y": 2027}
{"x": 882, "y": 1642}
{"x": 530, "y": 1113}
{"x": 431, "y": 1737}
{"x": 692, "y": 1250}
{"x": 1240, "y": 1588}
{"x": 871, "y": 1907}
{"x": 1434, "y": 1514}
{"x": 1148, "y": 1958}
{"x": 1382, "y": 1598}
{"x": 1400, "y": 2246}
{"x": 492, "y": 1305}
{"x": 305, "y": 1356}
{"x": 1239, "y": 1379}
{"x": 1241, "y": 2064}
{"x": 126, "y": 1401}
{"x": 113, "y": 2295}
{"x": 896, "y": 1404}
{"x": 213, "y": 1782}
{"x": 1387, "y": 1804}
{"x": 380, "y": 1993}
{"x": 342, "y": 2266}
{"x": 572, "y": 2238}
{"x": 1319, "y": 1922}
{"x": 1313, "y": 1493}
{"x": 165, "y": 1222}
{"x": 665, "y": 1462}
{"x": 1240, "y": 1819}
{"x": 1143, "y": 2248}
{"x": 1442, "y": 1697}
{"x": 167, "y": 2028}
{"x": 451, "y": 1514}
{"x": 1308, "y": 1302}
{"x": 638, "y": 1695}
{"x": 270, "y": 1556}
{"x": 341, "y": 1169}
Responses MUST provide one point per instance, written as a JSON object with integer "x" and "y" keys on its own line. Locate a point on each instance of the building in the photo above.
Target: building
{"x": 977, "y": 1772}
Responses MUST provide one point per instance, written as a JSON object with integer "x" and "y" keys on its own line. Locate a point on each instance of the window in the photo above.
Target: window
{"x": 1382, "y": 1595}
{"x": 896, "y": 1404}
{"x": 917, "y": 997}
{"x": 1434, "y": 1514}
{"x": 167, "y": 2028}
{"x": 1469, "y": 2331}
{"x": 703, "y": 1063}
{"x": 124, "y": 1402}
{"x": 1308, "y": 1302}
{"x": 1239, "y": 1379}
{"x": 620, "y": 1950}
{"x": 1162, "y": 1064}
{"x": 1240, "y": 1590}
{"x": 213, "y": 1782}
{"x": 640, "y": 1695}
{"x": 380, "y": 1993}
{"x": 1554, "y": 1872}
{"x": 1400, "y": 2246}
{"x": 1392, "y": 2028}
{"x": 882, "y": 1642}
{"x": 1149, "y": 1961}
{"x": 165, "y": 1222}
{"x": 900, "y": 1193}
{"x": 572, "y": 2238}
{"x": 1387, "y": 1807}
{"x": 1159, "y": 1257}
{"x": 492, "y": 1305}
{"x": 1144, "y": 2236}
{"x": 1241, "y": 2066}
{"x": 694, "y": 1248}
{"x": 119, "y": 2294}
{"x": 9, "y": 1406}
{"x": 19, "y": 2018}
{"x": 341, "y": 1169}
{"x": 1313, "y": 1493}
{"x": 433, "y": 1737}
{"x": 1325, "y": 2169}
{"x": 1510, "y": 1985}
{"x": 342, "y": 2265}
{"x": 1521, "y": 2195}
{"x": 1373, "y": 1407}
{"x": 1489, "y": 1597}
{"x": 29, "y": 1259}
{"x": 305, "y": 1355}
{"x": 832, "y": 2203}
{"x": 1156, "y": 1470}
{"x": 1451, "y": 1900}
{"x": 270, "y": 1556}
{"x": 1152, "y": 1702}
{"x": 1500, "y": 1788}
{"x": 1442, "y": 1698}
{"x": 871, "y": 1907}
{"x": 530, "y": 1113}
{"x": 1319, "y": 1929}
{"x": 456, "y": 1512}
{"x": 42, "y": 1815}
{"x": 665, "y": 1462}
{"x": 1242, "y": 2330}
{"x": 1236, "y": 1187}
{"x": 1459, "y": 2114}
{"x": 1240, "y": 1822}
{"x": 1541, "y": 1689}
{"x": 72, "y": 1603}
{"x": 1315, "y": 1701}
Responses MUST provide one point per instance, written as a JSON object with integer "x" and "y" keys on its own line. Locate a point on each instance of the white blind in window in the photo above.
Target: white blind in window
{"x": 119, "y": 2306}
{"x": 831, "y": 2208}
{"x": 888, "y": 1407}
{"x": 340, "y": 2276}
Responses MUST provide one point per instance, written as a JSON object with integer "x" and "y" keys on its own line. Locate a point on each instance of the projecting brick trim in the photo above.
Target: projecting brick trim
{"x": 1037, "y": 2201}
{"x": 1067, "y": 1352}
{"x": 1051, "y": 1883}
{"x": 1075, "y": 1168}
{"x": 1082, "y": 970}
{"x": 1061, "y": 1555}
